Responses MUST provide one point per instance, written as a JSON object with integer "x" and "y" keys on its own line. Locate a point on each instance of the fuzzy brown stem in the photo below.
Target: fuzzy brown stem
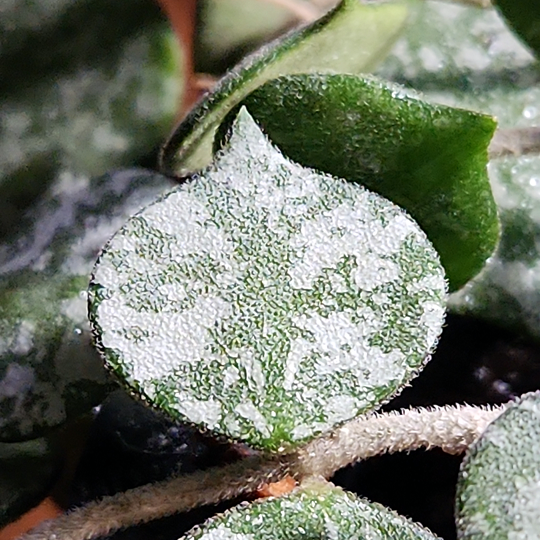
{"x": 153, "y": 501}
{"x": 452, "y": 429}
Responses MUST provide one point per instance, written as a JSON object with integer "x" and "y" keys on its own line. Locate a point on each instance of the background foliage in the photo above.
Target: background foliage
{"x": 71, "y": 112}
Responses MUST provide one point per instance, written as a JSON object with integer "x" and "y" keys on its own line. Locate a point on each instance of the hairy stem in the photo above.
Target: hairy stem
{"x": 153, "y": 501}
{"x": 515, "y": 142}
{"x": 451, "y": 428}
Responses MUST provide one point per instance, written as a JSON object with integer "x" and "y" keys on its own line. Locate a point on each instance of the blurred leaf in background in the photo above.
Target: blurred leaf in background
{"x": 94, "y": 86}
{"x": 85, "y": 87}
{"x": 229, "y": 29}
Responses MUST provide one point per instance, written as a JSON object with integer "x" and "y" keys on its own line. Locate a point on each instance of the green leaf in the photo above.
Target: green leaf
{"x": 474, "y": 61}
{"x": 352, "y": 38}
{"x": 27, "y": 472}
{"x": 524, "y": 17}
{"x": 49, "y": 369}
{"x": 499, "y": 484}
{"x": 429, "y": 159}
{"x": 266, "y": 301}
{"x": 318, "y": 511}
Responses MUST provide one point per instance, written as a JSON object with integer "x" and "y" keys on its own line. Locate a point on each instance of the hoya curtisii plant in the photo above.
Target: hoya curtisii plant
{"x": 281, "y": 305}
{"x": 295, "y": 302}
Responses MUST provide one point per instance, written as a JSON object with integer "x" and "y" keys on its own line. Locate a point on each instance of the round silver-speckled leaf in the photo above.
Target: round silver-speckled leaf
{"x": 499, "y": 484}
{"x": 319, "y": 511}
{"x": 266, "y": 301}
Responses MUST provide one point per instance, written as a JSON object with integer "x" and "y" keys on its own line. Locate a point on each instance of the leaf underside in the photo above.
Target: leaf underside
{"x": 266, "y": 301}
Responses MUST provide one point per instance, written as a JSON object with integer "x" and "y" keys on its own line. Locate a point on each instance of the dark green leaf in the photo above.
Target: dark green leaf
{"x": 508, "y": 289}
{"x": 429, "y": 159}
{"x": 351, "y": 39}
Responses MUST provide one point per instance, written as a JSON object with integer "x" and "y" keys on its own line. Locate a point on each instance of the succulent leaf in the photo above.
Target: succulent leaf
{"x": 266, "y": 301}
{"x": 352, "y": 39}
{"x": 316, "y": 511}
{"x": 499, "y": 484}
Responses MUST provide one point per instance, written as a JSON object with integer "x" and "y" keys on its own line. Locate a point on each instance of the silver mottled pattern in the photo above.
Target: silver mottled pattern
{"x": 267, "y": 301}
{"x": 314, "y": 511}
{"x": 499, "y": 485}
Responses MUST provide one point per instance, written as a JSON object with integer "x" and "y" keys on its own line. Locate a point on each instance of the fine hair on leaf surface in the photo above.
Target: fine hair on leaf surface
{"x": 282, "y": 303}
{"x": 292, "y": 284}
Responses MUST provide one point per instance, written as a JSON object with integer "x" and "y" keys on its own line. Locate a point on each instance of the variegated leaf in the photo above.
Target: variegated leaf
{"x": 318, "y": 511}
{"x": 266, "y": 301}
{"x": 499, "y": 483}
